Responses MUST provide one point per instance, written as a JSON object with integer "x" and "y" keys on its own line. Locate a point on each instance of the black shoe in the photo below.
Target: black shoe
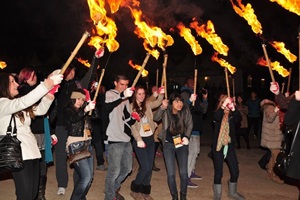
{"x": 154, "y": 168}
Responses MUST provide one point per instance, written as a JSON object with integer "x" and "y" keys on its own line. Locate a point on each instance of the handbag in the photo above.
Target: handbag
{"x": 10, "y": 150}
{"x": 78, "y": 151}
{"x": 283, "y": 158}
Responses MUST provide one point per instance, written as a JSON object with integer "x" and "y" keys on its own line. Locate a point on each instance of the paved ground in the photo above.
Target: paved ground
{"x": 253, "y": 183}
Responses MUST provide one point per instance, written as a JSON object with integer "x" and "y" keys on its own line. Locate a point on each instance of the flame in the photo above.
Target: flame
{"x": 247, "y": 13}
{"x": 208, "y": 32}
{"x": 84, "y": 62}
{"x": 2, "y": 64}
{"x": 152, "y": 35}
{"x": 223, "y": 63}
{"x": 187, "y": 35}
{"x": 105, "y": 27}
{"x": 290, "y": 5}
{"x": 138, "y": 67}
{"x": 280, "y": 47}
{"x": 114, "y": 5}
{"x": 275, "y": 66}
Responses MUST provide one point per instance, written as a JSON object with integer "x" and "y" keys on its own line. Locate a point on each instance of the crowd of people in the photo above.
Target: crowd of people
{"x": 126, "y": 121}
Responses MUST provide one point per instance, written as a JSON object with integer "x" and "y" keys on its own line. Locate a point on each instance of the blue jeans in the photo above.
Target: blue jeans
{"x": 119, "y": 166}
{"x": 170, "y": 154}
{"x": 232, "y": 162}
{"x": 145, "y": 157}
{"x": 85, "y": 171}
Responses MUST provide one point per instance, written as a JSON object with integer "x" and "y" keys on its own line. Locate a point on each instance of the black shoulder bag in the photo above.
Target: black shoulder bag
{"x": 10, "y": 150}
{"x": 283, "y": 158}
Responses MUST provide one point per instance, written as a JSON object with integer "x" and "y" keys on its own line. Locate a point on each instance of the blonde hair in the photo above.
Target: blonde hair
{"x": 221, "y": 100}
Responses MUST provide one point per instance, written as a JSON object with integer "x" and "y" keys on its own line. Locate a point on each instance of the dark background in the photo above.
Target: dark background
{"x": 42, "y": 34}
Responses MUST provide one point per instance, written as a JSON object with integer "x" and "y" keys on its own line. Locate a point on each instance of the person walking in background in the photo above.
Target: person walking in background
{"x": 223, "y": 148}
{"x": 253, "y": 105}
{"x": 197, "y": 112}
{"x": 79, "y": 129}
{"x": 27, "y": 82}
{"x": 116, "y": 108}
{"x": 26, "y": 180}
{"x": 177, "y": 127}
{"x": 153, "y": 97}
{"x": 68, "y": 85}
{"x": 242, "y": 128}
{"x": 143, "y": 143}
{"x": 271, "y": 136}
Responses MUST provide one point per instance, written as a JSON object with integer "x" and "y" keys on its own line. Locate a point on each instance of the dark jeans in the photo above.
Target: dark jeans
{"x": 27, "y": 180}
{"x": 244, "y": 133}
{"x": 170, "y": 155}
{"x": 255, "y": 122}
{"x": 85, "y": 171}
{"x": 232, "y": 162}
{"x": 98, "y": 143}
{"x": 61, "y": 166}
{"x": 145, "y": 158}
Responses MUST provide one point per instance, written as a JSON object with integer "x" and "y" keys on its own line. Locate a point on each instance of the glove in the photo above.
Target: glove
{"x": 87, "y": 95}
{"x": 54, "y": 140}
{"x": 161, "y": 90}
{"x": 226, "y": 102}
{"x": 185, "y": 141}
{"x": 287, "y": 94}
{"x": 56, "y": 77}
{"x": 193, "y": 97}
{"x": 135, "y": 116}
{"x": 90, "y": 106}
{"x": 155, "y": 94}
{"x": 128, "y": 92}
{"x": 99, "y": 53}
{"x": 95, "y": 84}
{"x": 274, "y": 88}
{"x": 141, "y": 144}
{"x": 54, "y": 89}
{"x": 297, "y": 95}
{"x": 276, "y": 109}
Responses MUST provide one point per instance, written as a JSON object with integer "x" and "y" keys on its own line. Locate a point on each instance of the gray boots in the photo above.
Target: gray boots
{"x": 217, "y": 191}
{"x": 232, "y": 191}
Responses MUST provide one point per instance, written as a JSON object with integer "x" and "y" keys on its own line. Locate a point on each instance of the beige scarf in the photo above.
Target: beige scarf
{"x": 224, "y": 137}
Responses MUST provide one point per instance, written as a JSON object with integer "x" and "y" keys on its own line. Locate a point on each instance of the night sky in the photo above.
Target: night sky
{"x": 42, "y": 34}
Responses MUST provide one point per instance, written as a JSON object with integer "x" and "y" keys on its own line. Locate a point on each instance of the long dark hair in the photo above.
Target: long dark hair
{"x": 176, "y": 121}
{"x": 4, "y": 85}
{"x": 140, "y": 109}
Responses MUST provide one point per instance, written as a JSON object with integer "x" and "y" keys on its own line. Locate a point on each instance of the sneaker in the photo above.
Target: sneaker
{"x": 158, "y": 154}
{"x": 101, "y": 168}
{"x": 191, "y": 184}
{"x": 195, "y": 177}
{"x": 156, "y": 169}
{"x": 61, "y": 191}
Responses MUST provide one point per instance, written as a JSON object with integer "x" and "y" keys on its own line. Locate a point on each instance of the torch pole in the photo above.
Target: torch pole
{"x": 268, "y": 62}
{"x": 165, "y": 74}
{"x": 233, "y": 86}
{"x": 282, "y": 87}
{"x": 156, "y": 80}
{"x": 74, "y": 52}
{"x": 141, "y": 69}
{"x": 299, "y": 55}
{"x": 195, "y": 83}
{"x": 227, "y": 82}
{"x": 98, "y": 87}
{"x": 289, "y": 81}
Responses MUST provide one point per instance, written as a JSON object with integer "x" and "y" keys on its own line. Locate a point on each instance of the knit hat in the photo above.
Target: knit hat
{"x": 78, "y": 93}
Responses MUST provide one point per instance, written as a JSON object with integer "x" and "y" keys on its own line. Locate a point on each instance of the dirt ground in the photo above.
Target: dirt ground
{"x": 253, "y": 182}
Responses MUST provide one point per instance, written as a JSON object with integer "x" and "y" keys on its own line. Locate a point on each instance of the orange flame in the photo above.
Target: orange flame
{"x": 84, "y": 62}
{"x": 105, "y": 26}
{"x": 290, "y": 5}
{"x": 223, "y": 63}
{"x": 2, "y": 64}
{"x": 152, "y": 35}
{"x": 208, "y": 32}
{"x": 247, "y": 13}
{"x": 280, "y": 47}
{"x": 138, "y": 67}
{"x": 275, "y": 66}
{"x": 114, "y": 5}
{"x": 187, "y": 35}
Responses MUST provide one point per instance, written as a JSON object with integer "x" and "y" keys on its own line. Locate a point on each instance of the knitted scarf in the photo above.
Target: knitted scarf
{"x": 224, "y": 137}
